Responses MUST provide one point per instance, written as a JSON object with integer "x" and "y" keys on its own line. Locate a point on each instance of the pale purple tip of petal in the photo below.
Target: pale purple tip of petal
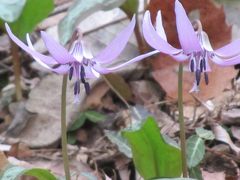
{"x": 187, "y": 37}
{"x": 45, "y": 59}
{"x": 104, "y": 70}
{"x": 225, "y": 62}
{"x": 115, "y": 47}
{"x": 153, "y": 39}
{"x": 59, "y": 53}
{"x": 230, "y": 50}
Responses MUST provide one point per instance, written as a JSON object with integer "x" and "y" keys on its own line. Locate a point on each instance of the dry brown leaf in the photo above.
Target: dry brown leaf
{"x": 222, "y": 135}
{"x": 165, "y": 69}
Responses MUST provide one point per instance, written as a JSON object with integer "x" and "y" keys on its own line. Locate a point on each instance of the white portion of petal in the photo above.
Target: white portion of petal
{"x": 159, "y": 26}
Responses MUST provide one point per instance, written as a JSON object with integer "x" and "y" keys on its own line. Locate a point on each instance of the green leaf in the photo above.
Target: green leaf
{"x": 130, "y": 7}
{"x": 33, "y": 12}
{"x": 15, "y": 172}
{"x": 79, "y": 11}
{"x": 205, "y": 134}
{"x": 41, "y": 174}
{"x": 195, "y": 172}
{"x": 121, "y": 143}
{"x": 152, "y": 156}
{"x": 71, "y": 137}
{"x": 10, "y": 10}
{"x": 78, "y": 122}
{"x": 94, "y": 116}
{"x": 195, "y": 150}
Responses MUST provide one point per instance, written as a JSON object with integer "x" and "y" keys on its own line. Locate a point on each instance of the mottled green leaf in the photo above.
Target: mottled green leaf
{"x": 33, "y": 12}
{"x": 10, "y": 10}
{"x": 78, "y": 122}
{"x": 195, "y": 150}
{"x": 94, "y": 116}
{"x": 196, "y": 173}
{"x": 205, "y": 134}
{"x": 152, "y": 156}
{"x": 121, "y": 143}
{"x": 41, "y": 174}
{"x": 81, "y": 10}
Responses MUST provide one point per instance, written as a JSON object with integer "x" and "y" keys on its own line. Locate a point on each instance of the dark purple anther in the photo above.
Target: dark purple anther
{"x": 87, "y": 88}
{"x": 204, "y": 64}
{"x": 206, "y": 78}
{"x": 192, "y": 64}
{"x": 201, "y": 65}
{"x": 76, "y": 87}
{"x": 198, "y": 76}
{"x": 70, "y": 73}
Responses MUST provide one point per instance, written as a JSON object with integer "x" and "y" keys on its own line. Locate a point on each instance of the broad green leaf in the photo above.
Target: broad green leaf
{"x": 81, "y": 10}
{"x": 15, "y": 172}
{"x": 121, "y": 143}
{"x": 130, "y": 7}
{"x": 195, "y": 150}
{"x": 205, "y": 134}
{"x": 195, "y": 172}
{"x": 71, "y": 137}
{"x": 41, "y": 174}
{"x": 78, "y": 122}
{"x": 94, "y": 116}
{"x": 33, "y": 12}
{"x": 152, "y": 156}
{"x": 10, "y": 10}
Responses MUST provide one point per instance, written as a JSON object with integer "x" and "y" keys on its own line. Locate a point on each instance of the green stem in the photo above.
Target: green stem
{"x": 181, "y": 121}
{"x": 64, "y": 128}
{"x": 17, "y": 70}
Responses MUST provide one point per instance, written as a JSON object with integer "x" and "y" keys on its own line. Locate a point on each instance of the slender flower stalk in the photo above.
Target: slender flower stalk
{"x": 64, "y": 128}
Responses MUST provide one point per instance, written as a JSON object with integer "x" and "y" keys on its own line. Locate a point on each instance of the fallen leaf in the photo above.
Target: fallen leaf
{"x": 222, "y": 135}
{"x": 213, "y": 176}
{"x": 236, "y": 132}
{"x": 165, "y": 68}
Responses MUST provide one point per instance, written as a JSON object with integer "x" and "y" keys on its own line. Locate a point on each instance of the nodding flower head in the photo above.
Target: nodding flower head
{"x": 195, "y": 45}
{"x": 79, "y": 62}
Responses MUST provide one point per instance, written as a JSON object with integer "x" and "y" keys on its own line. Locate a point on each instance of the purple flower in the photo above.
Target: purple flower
{"x": 195, "y": 45}
{"x": 79, "y": 62}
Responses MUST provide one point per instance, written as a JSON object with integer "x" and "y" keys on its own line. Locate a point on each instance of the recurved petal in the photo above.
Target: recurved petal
{"x": 90, "y": 72}
{"x": 159, "y": 26}
{"x": 154, "y": 40}
{"x": 230, "y": 50}
{"x": 45, "y": 59}
{"x": 103, "y": 70}
{"x": 62, "y": 69}
{"x": 186, "y": 34}
{"x": 42, "y": 63}
{"x": 59, "y": 53}
{"x": 115, "y": 47}
{"x": 86, "y": 51}
{"x": 226, "y": 62}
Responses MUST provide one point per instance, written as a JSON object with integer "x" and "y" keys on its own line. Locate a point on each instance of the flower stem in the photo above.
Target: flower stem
{"x": 17, "y": 70}
{"x": 181, "y": 121}
{"x": 64, "y": 128}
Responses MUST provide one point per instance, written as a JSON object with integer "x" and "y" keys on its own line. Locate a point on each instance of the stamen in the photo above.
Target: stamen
{"x": 201, "y": 65}
{"x": 87, "y": 88}
{"x": 198, "y": 76}
{"x": 192, "y": 65}
{"x": 206, "y": 78}
{"x": 70, "y": 73}
{"x": 204, "y": 64}
{"x": 76, "y": 87}
{"x": 82, "y": 74}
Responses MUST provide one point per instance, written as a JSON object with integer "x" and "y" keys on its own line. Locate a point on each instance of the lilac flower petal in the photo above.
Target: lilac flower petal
{"x": 117, "y": 45}
{"x": 154, "y": 40}
{"x": 86, "y": 51}
{"x": 230, "y": 50}
{"x": 225, "y": 62}
{"x": 205, "y": 41}
{"x": 159, "y": 26}
{"x": 186, "y": 34}
{"x": 90, "y": 73}
{"x": 102, "y": 70}
{"x": 77, "y": 51}
{"x": 59, "y": 53}
{"x": 30, "y": 45}
{"x": 45, "y": 59}
{"x": 62, "y": 69}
